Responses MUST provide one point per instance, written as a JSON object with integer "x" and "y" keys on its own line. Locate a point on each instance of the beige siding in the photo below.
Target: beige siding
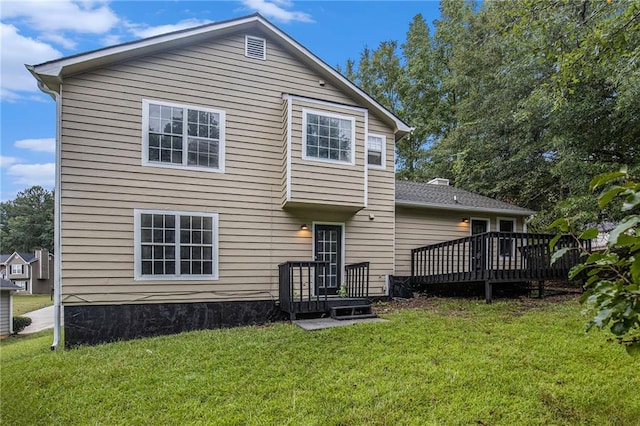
{"x": 417, "y": 227}
{"x": 5, "y": 313}
{"x": 103, "y": 180}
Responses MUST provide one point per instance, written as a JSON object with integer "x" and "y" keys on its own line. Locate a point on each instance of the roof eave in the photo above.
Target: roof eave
{"x": 462, "y": 208}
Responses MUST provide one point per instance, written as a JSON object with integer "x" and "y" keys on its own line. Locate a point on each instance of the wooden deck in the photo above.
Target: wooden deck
{"x": 492, "y": 257}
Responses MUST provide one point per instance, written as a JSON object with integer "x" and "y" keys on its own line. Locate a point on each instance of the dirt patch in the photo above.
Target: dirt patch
{"x": 552, "y": 295}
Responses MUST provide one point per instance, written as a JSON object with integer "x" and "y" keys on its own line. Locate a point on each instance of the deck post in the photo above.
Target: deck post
{"x": 540, "y": 289}
{"x": 487, "y": 291}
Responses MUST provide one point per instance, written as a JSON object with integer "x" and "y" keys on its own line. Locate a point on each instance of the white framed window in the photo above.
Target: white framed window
{"x": 506, "y": 247}
{"x": 255, "y": 47}
{"x": 21, "y": 284}
{"x": 175, "y": 245}
{"x": 376, "y": 147}
{"x": 182, "y": 136}
{"x": 328, "y": 137}
{"x": 17, "y": 269}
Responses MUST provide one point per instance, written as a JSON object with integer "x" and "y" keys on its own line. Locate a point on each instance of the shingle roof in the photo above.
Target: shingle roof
{"x": 446, "y": 197}
{"x": 27, "y": 257}
{"x": 4, "y": 258}
{"x": 8, "y": 285}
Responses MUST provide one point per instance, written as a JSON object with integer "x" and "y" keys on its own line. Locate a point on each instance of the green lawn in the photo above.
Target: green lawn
{"x": 452, "y": 362}
{"x": 23, "y": 303}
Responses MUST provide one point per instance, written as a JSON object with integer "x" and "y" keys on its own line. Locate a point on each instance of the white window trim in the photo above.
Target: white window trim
{"x": 137, "y": 249}
{"x": 513, "y": 248}
{"x": 145, "y": 137}
{"x": 246, "y": 47}
{"x": 305, "y": 112}
{"x": 16, "y": 265}
{"x": 383, "y": 164}
{"x": 26, "y": 285}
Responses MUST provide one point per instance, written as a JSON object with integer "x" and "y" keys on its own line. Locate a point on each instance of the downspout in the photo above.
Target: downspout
{"x": 57, "y": 240}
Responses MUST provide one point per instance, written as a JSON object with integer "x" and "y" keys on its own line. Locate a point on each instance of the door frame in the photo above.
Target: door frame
{"x": 342, "y": 246}
{"x": 485, "y": 255}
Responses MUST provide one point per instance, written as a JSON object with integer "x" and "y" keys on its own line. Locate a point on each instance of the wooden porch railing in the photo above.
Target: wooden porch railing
{"x": 357, "y": 279}
{"x": 297, "y": 287}
{"x": 492, "y": 257}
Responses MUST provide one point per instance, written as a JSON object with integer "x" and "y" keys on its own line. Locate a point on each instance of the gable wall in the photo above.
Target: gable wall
{"x": 103, "y": 180}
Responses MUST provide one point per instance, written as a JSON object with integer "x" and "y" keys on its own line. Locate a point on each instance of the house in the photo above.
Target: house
{"x": 7, "y": 288}
{"x": 223, "y": 175}
{"x": 32, "y": 273}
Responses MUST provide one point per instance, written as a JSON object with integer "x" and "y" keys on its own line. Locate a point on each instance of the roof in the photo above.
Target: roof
{"x": 8, "y": 285}
{"x": 419, "y": 194}
{"x": 50, "y": 74}
{"x": 26, "y": 257}
{"x": 4, "y": 258}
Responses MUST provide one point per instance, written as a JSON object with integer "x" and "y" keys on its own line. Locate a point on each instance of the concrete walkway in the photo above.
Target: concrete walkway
{"x": 42, "y": 319}
{"x": 322, "y": 323}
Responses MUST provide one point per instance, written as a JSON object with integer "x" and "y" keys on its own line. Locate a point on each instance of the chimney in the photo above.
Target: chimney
{"x": 43, "y": 263}
{"x": 439, "y": 181}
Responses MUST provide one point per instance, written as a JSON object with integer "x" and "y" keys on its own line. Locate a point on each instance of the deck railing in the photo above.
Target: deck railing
{"x": 357, "y": 279}
{"x": 493, "y": 256}
{"x": 297, "y": 287}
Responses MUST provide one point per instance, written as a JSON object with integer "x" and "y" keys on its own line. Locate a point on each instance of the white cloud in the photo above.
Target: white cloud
{"x": 7, "y": 161}
{"x": 111, "y": 40}
{"x": 33, "y": 174}
{"x": 275, "y": 10}
{"x": 37, "y": 145}
{"x": 62, "y": 15}
{"x": 60, "y": 40}
{"x": 144, "y": 31}
{"x": 23, "y": 50}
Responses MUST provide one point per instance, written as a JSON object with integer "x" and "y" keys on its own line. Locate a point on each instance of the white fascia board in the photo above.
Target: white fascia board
{"x": 464, "y": 208}
{"x": 54, "y": 68}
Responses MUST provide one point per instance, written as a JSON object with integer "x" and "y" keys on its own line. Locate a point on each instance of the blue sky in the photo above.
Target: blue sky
{"x": 35, "y": 31}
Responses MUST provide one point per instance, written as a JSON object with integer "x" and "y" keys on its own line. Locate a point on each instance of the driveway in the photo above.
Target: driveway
{"x": 42, "y": 319}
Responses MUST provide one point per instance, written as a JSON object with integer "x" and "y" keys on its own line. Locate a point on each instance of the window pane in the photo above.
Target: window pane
{"x": 170, "y": 268}
{"x": 146, "y": 268}
{"x": 154, "y": 110}
{"x": 185, "y": 236}
{"x": 185, "y": 268}
{"x": 374, "y": 158}
{"x": 146, "y": 252}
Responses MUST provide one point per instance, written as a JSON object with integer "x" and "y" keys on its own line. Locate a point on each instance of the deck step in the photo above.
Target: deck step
{"x": 351, "y": 312}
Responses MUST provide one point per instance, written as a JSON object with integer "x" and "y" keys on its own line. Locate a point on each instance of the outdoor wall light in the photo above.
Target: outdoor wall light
{"x": 465, "y": 220}
{"x": 304, "y": 227}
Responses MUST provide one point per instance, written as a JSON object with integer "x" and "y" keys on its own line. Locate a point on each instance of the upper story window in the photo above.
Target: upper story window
{"x": 376, "y": 151}
{"x": 17, "y": 269}
{"x": 183, "y": 136}
{"x": 176, "y": 245}
{"x": 328, "y": 137}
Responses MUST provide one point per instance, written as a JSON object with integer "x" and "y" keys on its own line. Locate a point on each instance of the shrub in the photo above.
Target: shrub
{"x": 20, "y": 323}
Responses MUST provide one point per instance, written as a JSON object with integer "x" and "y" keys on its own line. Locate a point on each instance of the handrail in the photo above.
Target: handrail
{"x": 297, "y": 284}
{"x": 493, "y": 256}
{"x": 357, "y": 279}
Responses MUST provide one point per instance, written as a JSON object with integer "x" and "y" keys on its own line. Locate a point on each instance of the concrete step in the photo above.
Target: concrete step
{"x": 352, "y": 317}
{"x": 351, "y": 311}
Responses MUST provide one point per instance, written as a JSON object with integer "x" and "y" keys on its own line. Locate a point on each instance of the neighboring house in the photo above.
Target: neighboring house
{"x": 32, "y": 273}
{"x": 7, "y": 288}
{"x": 218, "y": 175}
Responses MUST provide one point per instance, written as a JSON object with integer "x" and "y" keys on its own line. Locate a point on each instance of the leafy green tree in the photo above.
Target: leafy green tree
{"x": 612, "y": 296}
{"x": 26, "y": 223}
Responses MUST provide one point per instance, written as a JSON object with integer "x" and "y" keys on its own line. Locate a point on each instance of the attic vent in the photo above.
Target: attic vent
{"x": 255, "y": 47}
{"x": 439, "y": 181}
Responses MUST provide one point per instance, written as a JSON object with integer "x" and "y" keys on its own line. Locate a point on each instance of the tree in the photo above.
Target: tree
{"x": 612, "y": 294}
{"x": 26, "y": 223}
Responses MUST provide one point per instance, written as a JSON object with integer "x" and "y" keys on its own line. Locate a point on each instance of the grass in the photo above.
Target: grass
{"x": 452, "y": 362}
{"x": 23, "y": 303}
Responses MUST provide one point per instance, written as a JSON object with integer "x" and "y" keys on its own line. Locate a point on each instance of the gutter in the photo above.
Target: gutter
{"x": 464, "y": 208}
{"x": 57, "y": 221}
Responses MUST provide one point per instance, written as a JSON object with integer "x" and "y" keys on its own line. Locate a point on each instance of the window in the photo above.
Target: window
{"x": 328, "y": 137}
{"x": 176, "y": 245}
{"x": 255, "y": 47}
{"x": 506, "y": 244}
{"x": 376, "y": 150}
{"x": 17, "y": 269}
{"x": 183, "y": 136}
{"x": 22, "y": 285}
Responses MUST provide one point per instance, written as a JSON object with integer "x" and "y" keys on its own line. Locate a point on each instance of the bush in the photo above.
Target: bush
{"x": 20, "y": 323}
